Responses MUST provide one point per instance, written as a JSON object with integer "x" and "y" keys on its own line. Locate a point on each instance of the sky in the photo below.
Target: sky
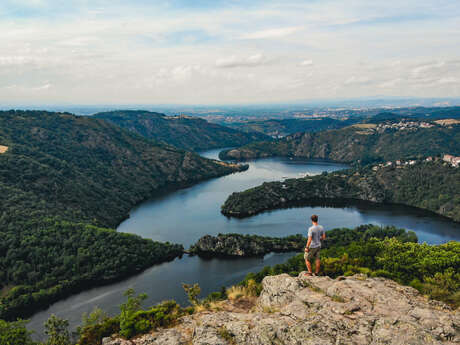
{"x": 226, "y": 52}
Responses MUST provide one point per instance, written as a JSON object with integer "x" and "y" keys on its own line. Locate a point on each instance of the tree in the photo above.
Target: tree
{"x": 57, "y": 331}
{"x": 15, "y": 333}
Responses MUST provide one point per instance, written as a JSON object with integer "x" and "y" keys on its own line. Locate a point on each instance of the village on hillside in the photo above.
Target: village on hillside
{"x": 449, "y": 159}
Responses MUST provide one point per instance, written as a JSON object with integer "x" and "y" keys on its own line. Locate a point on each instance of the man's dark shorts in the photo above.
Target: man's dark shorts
{"x": 313, "y": 254}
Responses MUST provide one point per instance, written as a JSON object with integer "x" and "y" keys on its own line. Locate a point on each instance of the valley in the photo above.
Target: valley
{"x": 186, "y": 132}
{"x": 99, "y": 171}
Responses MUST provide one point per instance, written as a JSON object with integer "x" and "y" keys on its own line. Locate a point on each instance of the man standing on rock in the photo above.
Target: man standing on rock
{"x": 316, "y": 234}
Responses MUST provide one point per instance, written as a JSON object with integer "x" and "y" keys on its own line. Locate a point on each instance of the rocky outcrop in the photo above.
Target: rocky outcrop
{"x": 318, "y": 310}
{"x": 226, "y": 245}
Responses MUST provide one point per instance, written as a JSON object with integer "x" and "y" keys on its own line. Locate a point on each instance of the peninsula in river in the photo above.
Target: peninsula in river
{"x": 432, "y": 184}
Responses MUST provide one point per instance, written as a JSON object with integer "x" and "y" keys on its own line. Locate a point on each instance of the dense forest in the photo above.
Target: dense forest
{"x": 190, "y": 133}
{"x": 61, "y": 178}
{"x": 364, "y": 143}
{"x": 228, "y": 245}
{"x": 434, "y": 186}
{"x": 283, "y": 127}
{"x": 368, "y": 250}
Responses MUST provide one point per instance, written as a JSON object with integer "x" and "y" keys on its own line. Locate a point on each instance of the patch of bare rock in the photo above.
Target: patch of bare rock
{"x": 322, "y": 311}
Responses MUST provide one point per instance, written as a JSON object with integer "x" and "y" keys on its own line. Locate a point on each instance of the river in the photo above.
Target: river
{"x": 184, "y": 216}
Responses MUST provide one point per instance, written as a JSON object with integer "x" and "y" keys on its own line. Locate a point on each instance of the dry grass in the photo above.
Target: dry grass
{"x": 338, "y": 298}
{"x": 269, "y": 310}
{"x": 3, "y": 149}
{"x": 237, "y": 291}
{"x": 447, "y": 122}
{"x": 200, "y": 308}
{"x": 226, "y": 335}
{"x": 365, "y": 125}
{"x": 5, "y": 290}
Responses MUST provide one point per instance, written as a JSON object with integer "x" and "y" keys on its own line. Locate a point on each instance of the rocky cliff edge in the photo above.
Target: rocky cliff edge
{"x": 317, "y": 310}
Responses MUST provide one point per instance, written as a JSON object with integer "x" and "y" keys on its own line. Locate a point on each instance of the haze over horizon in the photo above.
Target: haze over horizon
{"x": 226, "y": 52}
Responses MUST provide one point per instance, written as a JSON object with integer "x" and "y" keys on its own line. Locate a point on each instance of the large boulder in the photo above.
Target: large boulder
{"x": 319, "y": 310}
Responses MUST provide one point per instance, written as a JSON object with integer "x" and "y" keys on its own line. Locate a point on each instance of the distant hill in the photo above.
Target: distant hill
{"x": 64, "y": 180}
{"x": 427, "y": 113}
{"x": 361, "y": 142}
{"x": 189, "y": 133}
{"x": 274, "y": 127}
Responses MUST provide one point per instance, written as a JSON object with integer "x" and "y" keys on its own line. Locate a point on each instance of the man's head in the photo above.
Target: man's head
{"x": 314, "y": 218}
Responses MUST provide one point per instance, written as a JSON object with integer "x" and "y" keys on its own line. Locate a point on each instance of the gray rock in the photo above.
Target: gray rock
{"x": 319, "y": 310}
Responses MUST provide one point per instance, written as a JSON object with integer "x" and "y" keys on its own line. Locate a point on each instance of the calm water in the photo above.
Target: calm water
{"x": 186, "y": 215}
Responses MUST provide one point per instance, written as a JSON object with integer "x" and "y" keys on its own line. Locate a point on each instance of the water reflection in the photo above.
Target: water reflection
{"x": 186, "y": 215}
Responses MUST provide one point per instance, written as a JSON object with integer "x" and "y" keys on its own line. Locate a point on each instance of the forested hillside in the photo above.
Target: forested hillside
{"x": 189, "y": 133}
{"x": 275, "y": 127}
{"x": 62, "y": 176}
{"x": 361, "y": 142}
{"x": 434, "y": 186}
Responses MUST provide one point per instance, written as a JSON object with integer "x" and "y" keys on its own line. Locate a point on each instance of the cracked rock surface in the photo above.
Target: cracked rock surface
{"x": 321, "y": 311}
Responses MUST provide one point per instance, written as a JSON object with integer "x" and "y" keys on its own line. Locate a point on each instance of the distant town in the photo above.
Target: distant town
{"x": 448, "y": 159}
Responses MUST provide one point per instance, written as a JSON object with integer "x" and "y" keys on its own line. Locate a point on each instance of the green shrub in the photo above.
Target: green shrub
{"x": 93, "y": 334}
{"x": 57, "y": 331}
{"x": 15, "y": 333}
{"x": 431, "y": 269}
{"x": 142, "y": 321}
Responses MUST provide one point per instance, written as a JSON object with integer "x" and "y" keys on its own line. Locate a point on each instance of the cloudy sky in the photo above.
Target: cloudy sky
{"x": 232, "y": 51}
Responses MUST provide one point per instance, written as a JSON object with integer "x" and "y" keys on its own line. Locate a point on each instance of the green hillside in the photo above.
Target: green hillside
{"x": 361, "y": 142}
{"x": 185, "y": 132}
{"x": 434, "y": 186}
{"x": 63, "y": 179}
{"x": 283, "y": 127}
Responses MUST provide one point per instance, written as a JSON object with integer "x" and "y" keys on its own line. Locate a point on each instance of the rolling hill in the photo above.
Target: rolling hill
{"x": 364, "y": 143}
{"x": 66, "y": 180}
{"x": 189, "y": 133}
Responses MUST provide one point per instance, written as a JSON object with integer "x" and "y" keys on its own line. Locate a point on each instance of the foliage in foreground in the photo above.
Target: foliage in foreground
{"x": 431, "y": 269}
{"x": 377, "y": 252}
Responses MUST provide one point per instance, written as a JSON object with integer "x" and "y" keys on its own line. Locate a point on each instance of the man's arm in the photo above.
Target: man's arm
{"x": 324, "y": 236}
{"x": 308, "y": 244}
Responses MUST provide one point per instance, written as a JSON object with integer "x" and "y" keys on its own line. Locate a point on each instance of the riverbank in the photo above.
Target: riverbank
{"x": 185, "y": 215}
{"x": 237, "y": 245}
{"x": 429, "y": 185}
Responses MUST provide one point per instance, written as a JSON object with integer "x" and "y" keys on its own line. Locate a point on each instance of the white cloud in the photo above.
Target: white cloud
{"x": 306, "y": 63}
{"x": 417, "y": 71}
{"x": 45, "y": 86}
{"x": 233, "y": 61}
{"x": 390, "y": 83}
{"x": 112, "y": 52}
{"x": 449, "y": 80}
{"x": 15, "y": 60}
{"x": 271, "y": 33}
{"x": 354, "y": 80}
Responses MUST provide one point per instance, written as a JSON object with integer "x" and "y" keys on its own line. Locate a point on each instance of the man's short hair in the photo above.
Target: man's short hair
{"x": 314, "y": 218}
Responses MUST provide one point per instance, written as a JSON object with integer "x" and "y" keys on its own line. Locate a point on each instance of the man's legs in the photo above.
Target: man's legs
{"x": 308, "y": 266}
{"x": 317, "y": 265}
